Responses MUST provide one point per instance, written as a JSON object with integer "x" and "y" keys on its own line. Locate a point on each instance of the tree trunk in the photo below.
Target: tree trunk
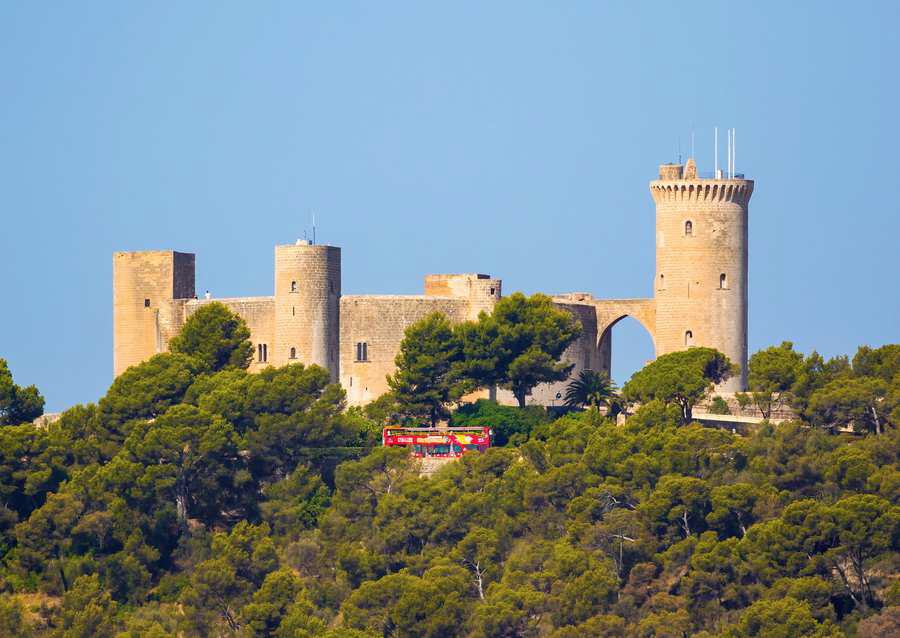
{"x": 479, "y": 580}
{"x": 864, "y": 588}
{"x": 181, "y": 499}
{"x": 62, "y": 573}
{"x": 620, "y": 563}
{"x": 687, "y": 412}
{"x": 229, "y": 617}
{"x": 479, "y": 576}
{"x": 685, "y": 525}
{"x": 860, "y": 603}
{"x": 520, "y": 396}
{"x": 877, "y": 421}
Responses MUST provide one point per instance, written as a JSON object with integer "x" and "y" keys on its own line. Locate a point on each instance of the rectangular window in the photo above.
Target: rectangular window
{"x": 362, "y": 351}
{"x": 262, "y": 353}
{"x": 146, "y": 303}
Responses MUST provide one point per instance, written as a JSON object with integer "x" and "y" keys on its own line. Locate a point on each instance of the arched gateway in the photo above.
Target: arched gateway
{"x": 610, "y": 312}
{"x": 593, "y": 349}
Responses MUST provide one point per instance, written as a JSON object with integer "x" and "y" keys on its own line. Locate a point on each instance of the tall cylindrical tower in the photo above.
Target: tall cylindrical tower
{"x": 307, "y": 305}
{"x": 701, "y": 263}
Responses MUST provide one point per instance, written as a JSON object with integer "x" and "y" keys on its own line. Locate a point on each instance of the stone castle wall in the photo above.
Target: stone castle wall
{"x": 700, "y": 298}
{"x": 259, "y": 315}
{"x": 583, "y": 354}
{"x": 480, "y": 291}
{"x": 380, "y": 321}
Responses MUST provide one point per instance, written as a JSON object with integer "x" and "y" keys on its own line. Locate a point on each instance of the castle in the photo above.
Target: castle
{"x": 699, "y": 298}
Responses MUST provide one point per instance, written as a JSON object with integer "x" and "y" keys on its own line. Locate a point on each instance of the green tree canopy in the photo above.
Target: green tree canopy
{"x": 189, "y": 460}
{"x": 519, "y": 344}
{"x": 815, "y": 373}
{"x": 508, "y": 422}
{"x": 88, "y": 611}
{"x": 783, "y": 618}
{"x": 216, "y": 337}
{"x": 883, "y": 362}
{"x": 236, "y": 504}
{"x": 861, "y": 402}
{"x": 12, "y": 619}
{"x": 678, "y": 507}
{"x": 17, "y": 404}
{"x": 772, "y": 373}
{"x": 219, "y": 586}
{"x": 148, "y": 389}
{"x": 427, "y": 376}
{"x": 682, "y": 378}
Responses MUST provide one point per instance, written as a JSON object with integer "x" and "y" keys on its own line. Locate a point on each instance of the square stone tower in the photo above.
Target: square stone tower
{"x": 144, "y": 286}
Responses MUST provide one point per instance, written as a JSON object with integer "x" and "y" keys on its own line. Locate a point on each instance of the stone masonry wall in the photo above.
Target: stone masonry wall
{"x": 307, "y": 305}
{"x": 144, "y": 285}
{"x": 481, "y": 291}
{"x": 379, "y": 321}
{"x": 257, "y": 312}
{"x": 582, "y": 353}
{"x": 701, "y": 267}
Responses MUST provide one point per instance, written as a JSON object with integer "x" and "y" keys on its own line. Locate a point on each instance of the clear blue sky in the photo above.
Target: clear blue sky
{"x": 513, "y": 138}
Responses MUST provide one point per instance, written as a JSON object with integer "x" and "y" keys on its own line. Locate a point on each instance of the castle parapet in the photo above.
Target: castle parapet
{"x": 736, "y": 191}
{"x": 479, "y": 290}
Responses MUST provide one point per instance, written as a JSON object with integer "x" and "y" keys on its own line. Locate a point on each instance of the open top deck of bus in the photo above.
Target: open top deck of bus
{"x": 439, "y": 442}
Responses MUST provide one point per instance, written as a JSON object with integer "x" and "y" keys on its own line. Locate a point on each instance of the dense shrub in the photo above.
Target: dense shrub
{"x": 509, "y": 423}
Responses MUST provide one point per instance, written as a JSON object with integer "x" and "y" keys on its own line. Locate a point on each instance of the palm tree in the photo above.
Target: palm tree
{"x": 591, "y": 389}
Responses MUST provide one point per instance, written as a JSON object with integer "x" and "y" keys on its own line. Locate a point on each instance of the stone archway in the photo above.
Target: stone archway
{"x": 593, "y": 349}
{"x": 612, "y": 311}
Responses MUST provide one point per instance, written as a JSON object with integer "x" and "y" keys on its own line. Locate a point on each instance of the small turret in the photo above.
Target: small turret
{"x": 670, "y": 171}
{"x": 481, "y": 291}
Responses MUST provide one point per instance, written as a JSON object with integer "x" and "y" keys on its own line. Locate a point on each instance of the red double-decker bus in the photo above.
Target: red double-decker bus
{"x": 439, "y": 442}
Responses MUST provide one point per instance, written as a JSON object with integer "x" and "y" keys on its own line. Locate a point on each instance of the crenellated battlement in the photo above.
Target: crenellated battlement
{"x": 736, "y": 191}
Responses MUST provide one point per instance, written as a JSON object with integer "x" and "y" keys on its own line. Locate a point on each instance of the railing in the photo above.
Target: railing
{"x": 713, "y": 175}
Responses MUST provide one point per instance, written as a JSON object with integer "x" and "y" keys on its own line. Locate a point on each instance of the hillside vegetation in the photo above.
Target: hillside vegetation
{"x": 196, "y": 499}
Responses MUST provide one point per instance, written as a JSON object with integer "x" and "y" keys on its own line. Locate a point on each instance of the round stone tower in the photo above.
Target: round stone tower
{"x": 307, "y": 305}
{"x": 701, "y": 263}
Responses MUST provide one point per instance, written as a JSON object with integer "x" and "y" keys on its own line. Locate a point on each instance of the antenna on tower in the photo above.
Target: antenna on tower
{"x": 728, "y": 146}
{"x": 716, "y": 169}
{"x": 733, "y": 152}
{"x": 314, "y": 228}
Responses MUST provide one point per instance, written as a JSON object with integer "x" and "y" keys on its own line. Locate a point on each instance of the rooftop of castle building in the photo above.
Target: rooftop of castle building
{"x": 677, "y": 171}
